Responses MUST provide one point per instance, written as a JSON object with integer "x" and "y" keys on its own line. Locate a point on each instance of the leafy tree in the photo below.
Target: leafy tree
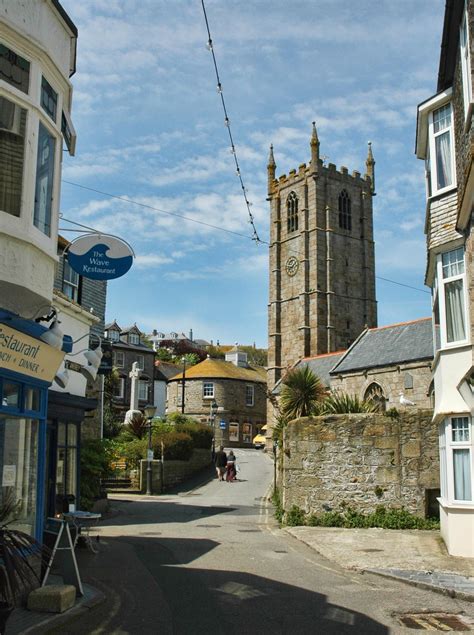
{"x": 164, "y": 355}
{"x": 255, "y": 356}
{"x": 215, "y": 352}
{"x": 301, "y": 393}
{"x": 112, "y": 416}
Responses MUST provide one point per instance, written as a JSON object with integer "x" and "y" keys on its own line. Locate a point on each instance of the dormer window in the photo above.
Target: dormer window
{"x": 113, "y": 335}
{"x": 345, "y": 213}
{"x": 134, "y": 338}
{"x": 292, "y": 212}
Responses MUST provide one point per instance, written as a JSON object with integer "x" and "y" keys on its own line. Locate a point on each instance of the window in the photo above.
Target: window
{"x": 12, "y": 154}
{"x": 14, "y": 69}
{"x": 119, "y": 359}
{"x": 449, "y": 296}
{"x": 119, "y": 388}
{"x": 249, "y": 395}
{"x": 71, "y": 281}
{"x": 465, "y": 63}
{"x": 143, "y": 389}
{"x": 440, "y": 155}
{"x": 66, "y": 467}
{"x": 208, "y": 390}
{"x": 292, "y": 212}
{"x": 134, "y": 338}
{"x": 49, "y": 99}
{"x": 345, "y": 217}
{"x": 44, "y": 180}
{"x": 375, "y": 394}
{"x": 113, "y": 335}
{"x": 247, "y": 432}
{"x": 141, "y": 361}
{"x": 456, "y": 459}
{"x": 234, "y": 431}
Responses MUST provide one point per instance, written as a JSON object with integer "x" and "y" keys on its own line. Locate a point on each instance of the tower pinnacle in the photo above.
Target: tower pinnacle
{"x": 370, "y": 164}
{"x": 271, "y": 167}
{"x": 314, "y": 148}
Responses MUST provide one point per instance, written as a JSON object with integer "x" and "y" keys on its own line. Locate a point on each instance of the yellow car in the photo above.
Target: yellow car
{"x": 259, "y": 440}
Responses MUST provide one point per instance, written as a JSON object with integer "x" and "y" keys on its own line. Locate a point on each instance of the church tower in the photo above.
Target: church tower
{"x": 322, "y": 270}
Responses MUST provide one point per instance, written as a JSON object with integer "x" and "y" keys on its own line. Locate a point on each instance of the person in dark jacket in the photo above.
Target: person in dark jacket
{"x": 231, "y": 471}
{"x": 220, "y": 462}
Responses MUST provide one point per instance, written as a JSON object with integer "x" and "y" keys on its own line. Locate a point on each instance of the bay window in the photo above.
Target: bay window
{"x": 465, "y": 63}
{"x": 456, "y": 460}
{"x": 12, "y": 154}
{"x": 44, "y": 180}
{"x": 449, "y": 302}
{"x": 14, "y": 69}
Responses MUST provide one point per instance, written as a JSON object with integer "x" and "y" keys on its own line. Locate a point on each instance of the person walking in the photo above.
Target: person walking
{"x": 231, "y": 467}
{"x": 220, "y": 461}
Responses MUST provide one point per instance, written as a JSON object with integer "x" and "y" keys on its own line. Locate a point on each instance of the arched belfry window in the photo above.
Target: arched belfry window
{"x": 374, "y": 393}
{"x": 292, "y": 212}
{"x": 345, "y": 218}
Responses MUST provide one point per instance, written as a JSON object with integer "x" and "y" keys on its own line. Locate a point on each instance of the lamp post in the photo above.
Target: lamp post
{"x": 149, "y": 411}
{"x": 275, "y": 446}
{"x": 213, "y": 408}
{"x": 183, "y": 359}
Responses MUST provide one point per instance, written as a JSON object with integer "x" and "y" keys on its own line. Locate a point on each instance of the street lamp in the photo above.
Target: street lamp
{"x": 213, "y": 408}
{"x": 149, "y": 411}
{"x": 183, "y": 359}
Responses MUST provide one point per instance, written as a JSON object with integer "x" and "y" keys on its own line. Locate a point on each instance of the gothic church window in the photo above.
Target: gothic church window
{"x": 292, "y": 212}
{"x": 345, "y": 217}
{"x": 374, "y": 393}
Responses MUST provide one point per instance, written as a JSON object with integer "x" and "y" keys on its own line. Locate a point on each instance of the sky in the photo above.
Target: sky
{"x": 150, "y": 129}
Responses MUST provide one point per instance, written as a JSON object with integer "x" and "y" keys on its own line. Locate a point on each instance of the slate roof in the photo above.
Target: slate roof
{"x": 321, "y": 365}
{"x": 165, "y": 370}
{"x": 219, "y": 369}
{"x": 389, "y": 345}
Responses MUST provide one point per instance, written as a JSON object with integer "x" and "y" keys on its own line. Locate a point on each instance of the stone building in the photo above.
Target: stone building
{"x": 445, "y": 141}
{"x": 230, "y": 395}
{"x": 128, "y": 347}
{"x": 322, "y": 272}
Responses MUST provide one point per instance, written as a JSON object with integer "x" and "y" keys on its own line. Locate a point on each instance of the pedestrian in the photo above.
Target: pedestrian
{"x": 220, "y": 461}
{"x": 231, "y": 467}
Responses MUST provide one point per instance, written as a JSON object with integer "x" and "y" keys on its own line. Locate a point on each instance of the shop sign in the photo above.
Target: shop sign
{"x": 26, "y": 355}
{"x": 100, "y": 256}
{"x": 222, "y": 424}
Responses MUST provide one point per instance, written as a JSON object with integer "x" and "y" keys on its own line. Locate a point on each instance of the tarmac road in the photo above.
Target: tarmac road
{"x": 212, "y": 560}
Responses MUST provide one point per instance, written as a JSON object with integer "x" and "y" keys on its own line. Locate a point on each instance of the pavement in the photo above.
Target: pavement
{"x": 417, "y": 557}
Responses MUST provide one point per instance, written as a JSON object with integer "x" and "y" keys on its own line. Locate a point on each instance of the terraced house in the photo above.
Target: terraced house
{"x": 445, "y": 142}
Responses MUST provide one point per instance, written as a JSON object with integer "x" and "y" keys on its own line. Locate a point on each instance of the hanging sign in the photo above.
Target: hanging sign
{"x": 222, "y": 424}
{"x": 100, "y": 256}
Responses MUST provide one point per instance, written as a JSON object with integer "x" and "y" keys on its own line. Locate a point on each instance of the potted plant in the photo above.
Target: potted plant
{"x": 21, "y": 559}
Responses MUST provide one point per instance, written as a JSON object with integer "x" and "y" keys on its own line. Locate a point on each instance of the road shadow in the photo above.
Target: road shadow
{"x": 169, "y": 597}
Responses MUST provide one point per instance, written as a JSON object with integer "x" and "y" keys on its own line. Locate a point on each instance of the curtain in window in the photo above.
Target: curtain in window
{"x": 455, "y": 327}
{"x": 443, "y": 160}
{"x": 462, "y": 475}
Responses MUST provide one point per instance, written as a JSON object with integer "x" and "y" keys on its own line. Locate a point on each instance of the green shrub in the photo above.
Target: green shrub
{"x": 339, "y": 402}
{"x": 133, "y": 451}
{"x": 295, "y": 517}
{"x": 95, "y": 465}
{"x": 200, "y": 433}
{"x": 178, "y": 446}
{"x": 276, "y": 500}
{"x": 392, "y": 413}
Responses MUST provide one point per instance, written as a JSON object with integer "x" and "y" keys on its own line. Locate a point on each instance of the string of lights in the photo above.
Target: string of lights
{"x": 220, "y": 91}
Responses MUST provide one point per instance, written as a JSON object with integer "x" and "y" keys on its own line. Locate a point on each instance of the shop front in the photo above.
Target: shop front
{"x": 27, "y": 368}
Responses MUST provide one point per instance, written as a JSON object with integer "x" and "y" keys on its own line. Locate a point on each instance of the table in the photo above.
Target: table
{"x": 83, "y": 523}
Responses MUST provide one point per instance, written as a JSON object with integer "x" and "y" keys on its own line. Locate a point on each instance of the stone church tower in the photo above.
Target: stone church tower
{"x": 322, "y": 271}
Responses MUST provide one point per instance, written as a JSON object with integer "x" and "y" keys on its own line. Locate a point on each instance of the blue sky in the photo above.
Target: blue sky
{"x": 151, "y": 129}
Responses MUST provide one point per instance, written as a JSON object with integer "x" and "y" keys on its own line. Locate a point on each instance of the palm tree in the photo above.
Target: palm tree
{"x": 301, "y": 393}
{"x": 339, "y": 402}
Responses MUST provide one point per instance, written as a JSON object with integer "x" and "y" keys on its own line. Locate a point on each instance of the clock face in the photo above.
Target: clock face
{"x": 292, "y": 266}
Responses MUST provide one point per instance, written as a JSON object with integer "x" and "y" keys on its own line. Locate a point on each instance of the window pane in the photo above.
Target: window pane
{"x": 70, "y": 282}
{"x": 61, "y": 433}
{"x": 208, "y": 390}
{"x": 44, "y": 181}
{"x": 443, "y": 159}
{"x": 11, "y": 394}
{"x": 454, "y": 296}
{"x": 453, "y": 263}
{"x": 12, "y": 152}
{"x": 143, "y": 390}
{"x": 49, "y": 99}
{"x": 462, "y": 475}
{"x": 14, "y": 69}
{"x": 32, "y": 399}
{"x": 71, "y": 472}
{"x": 460, "y": 428}
{"x": 442, "y": 118}
{"x": 72, "y": 435}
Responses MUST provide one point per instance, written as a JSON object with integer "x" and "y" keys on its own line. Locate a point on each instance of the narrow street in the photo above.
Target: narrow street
{"x": 211, "y": 559}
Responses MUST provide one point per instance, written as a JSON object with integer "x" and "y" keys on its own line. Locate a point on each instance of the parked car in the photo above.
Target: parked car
{"x": 259, "y": 440}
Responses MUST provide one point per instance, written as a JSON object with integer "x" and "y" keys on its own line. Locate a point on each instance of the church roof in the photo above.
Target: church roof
{"x": 389, "y": 345}
{"x": 321, "y": 365}
{"x": 219, "y": 369}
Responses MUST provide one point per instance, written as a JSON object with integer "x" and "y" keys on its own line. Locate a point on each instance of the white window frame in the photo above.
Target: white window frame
{"x": 450, "y": 447}
{"x": 439, "y": 296}
{"x": 134, "y": 339}
{"x": 249, "y": 395}
{"x": 431, "y": 151}
{"x": 465, "y": 55}
{"x": 141, "y": 361}
{"x": 68, "y": 284}
{"x": 119, "y": 359}
{"x": 208, "y": 390}
{"x": 113, "y": 335}
{"x": 143, "y": 387}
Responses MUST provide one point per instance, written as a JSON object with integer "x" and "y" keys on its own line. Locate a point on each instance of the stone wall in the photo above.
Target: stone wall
{"x": 360, "y": 460}
{"x": 168, "y": 473}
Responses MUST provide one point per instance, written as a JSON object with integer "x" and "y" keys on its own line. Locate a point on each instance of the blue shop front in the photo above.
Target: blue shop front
{"x": 28, "y": 365}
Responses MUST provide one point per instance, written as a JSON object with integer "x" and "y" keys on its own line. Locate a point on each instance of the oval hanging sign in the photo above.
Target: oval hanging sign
{"x": 100, "y": 256}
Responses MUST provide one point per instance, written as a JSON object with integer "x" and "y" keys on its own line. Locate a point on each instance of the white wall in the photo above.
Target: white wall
{"x": 160, "y": 397}
{"x": 448, "y": 372}
{"x": 457, "y": 530}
